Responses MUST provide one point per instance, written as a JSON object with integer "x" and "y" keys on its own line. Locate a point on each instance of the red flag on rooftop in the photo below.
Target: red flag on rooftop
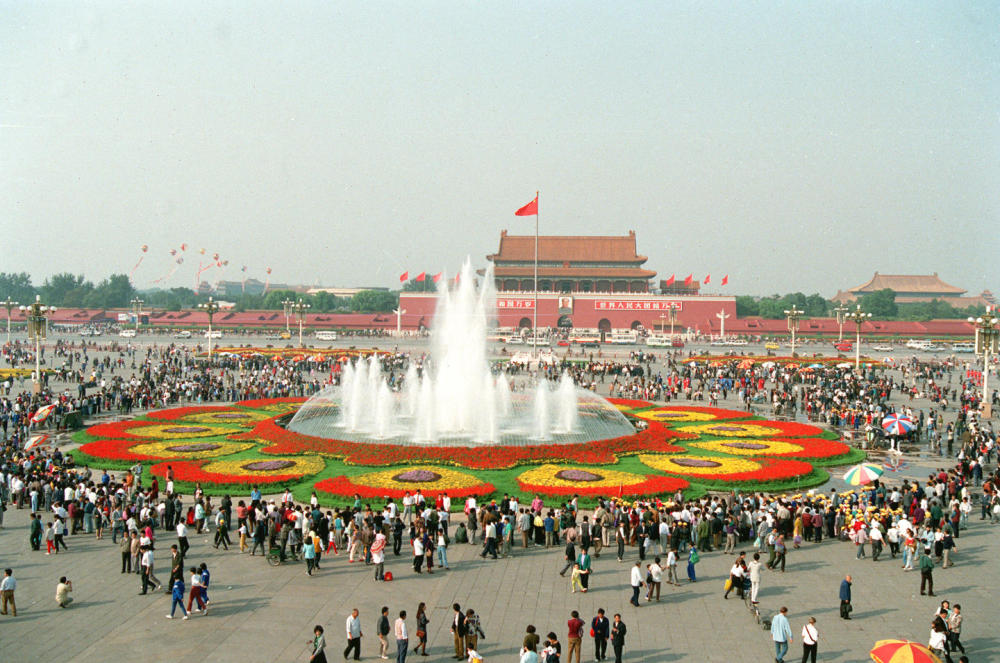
{"x": 421, "y": 276}
{"x": 689, "y": 279}
{"x": 725, "y": 280}
{"x": 670, "y": 281}
{"x": 403, "y": 277}
{"x": 531, "y": 209}
{"x": 708, "y": 277}
{"x": 437, "y": 277}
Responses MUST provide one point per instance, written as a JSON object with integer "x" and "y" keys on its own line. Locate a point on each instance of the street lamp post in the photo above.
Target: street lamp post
{"x": 137, "y": 311}
{"x": 300, "y": 307}
{"x": 859, "y": 317}
{"x": 841, "y": 312}
{"x": 8, "y": 304}
{"x": 399, "y": 320}
{"x": 672, "y": 314}
{"x": 986, "y": 343}
{"x": 793, "y": 315}
{"x": 287, "y": 304}
{"x": 722, "y": 315}
{"x": 35, "y": 315}
{"x": 211, "y": 307}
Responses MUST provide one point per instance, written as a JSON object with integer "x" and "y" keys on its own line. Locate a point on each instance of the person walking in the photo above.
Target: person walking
{"x": 926, "y": 565}
{"x": 194, "y": 596}
{"x": 382, "y": 633}
{"x": 353, "y": 635}
{"x": 600, "y": 627}
{"x": 584, "y": 562}
{"x": 458, "y": 631}
{"x": 845, "y": 598}
{"x": 402, "y": 637}
{"x": 7, "y": 587}
{"x": 753, "y": 570}
{"x": 318, "y": 645}
{"x": 637, "y": 583}
{"x": 618, "y": 631}
{"x": 422, "y": 622}
{"x": 955, "y": 628}
{"x": 781, "y": 633}
{"x": 182, "y": 537}
{"x": 177, "y": 598}
{"x": 693, "y": 558}
{"x": 574, "y": 638}
{"x": 810, "y": 641}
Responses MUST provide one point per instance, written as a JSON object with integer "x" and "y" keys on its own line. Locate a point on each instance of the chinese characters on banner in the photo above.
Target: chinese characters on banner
{"x": 515, "y": 303}
{"x": 627, "y": 305}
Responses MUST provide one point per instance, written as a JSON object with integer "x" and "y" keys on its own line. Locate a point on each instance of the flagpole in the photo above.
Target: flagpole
{"x": 534, "y": 325}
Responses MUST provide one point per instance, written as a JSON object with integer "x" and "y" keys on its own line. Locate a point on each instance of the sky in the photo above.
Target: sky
{"x": 791, "y": 145}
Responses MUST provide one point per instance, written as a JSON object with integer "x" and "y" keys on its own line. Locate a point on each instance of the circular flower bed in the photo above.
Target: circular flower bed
{"x": 681, "y": 446}
{"x": 429, "y": 480}
{"x": 556, "y": 480}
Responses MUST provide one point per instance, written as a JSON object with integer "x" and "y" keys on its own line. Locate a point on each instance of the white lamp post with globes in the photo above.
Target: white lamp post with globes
{"x": 986, "y": 343}
{"x": 35, "y": 316}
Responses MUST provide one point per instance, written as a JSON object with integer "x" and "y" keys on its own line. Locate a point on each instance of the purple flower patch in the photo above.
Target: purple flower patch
{"x": 417, "y": 476}
{"x": 694, "y": 462}
{"x": 745, "y": 445}
{"x": 231, "y": 415}
{"x": 268, "y": 465}
{"x": 178, "y": 430}
{"x": 187, "y": 448}
{"x": 728, "y": 429}
{"x": 578, "y": 475}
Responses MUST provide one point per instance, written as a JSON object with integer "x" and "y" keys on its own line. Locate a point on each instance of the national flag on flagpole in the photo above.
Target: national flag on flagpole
{"x": 725, "y": 280}
{"x": 670, "y": 281}
{"x": 689, "y": 279}
{"x": 421, "y": 276}
{"x": 531, "y": 209}
{"x": 404, "y": 276}
{"x": 708, "y": 278}
{"x": 437, "y": 277}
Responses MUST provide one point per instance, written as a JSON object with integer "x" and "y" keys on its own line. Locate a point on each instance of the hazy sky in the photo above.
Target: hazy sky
{"x": 794, "y": 146}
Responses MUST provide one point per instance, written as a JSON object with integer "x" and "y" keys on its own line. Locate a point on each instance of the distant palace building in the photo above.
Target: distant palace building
{"x": 570, "y": 264}
{"x": 911, "y": 288}
{"x": 596, "y": 282}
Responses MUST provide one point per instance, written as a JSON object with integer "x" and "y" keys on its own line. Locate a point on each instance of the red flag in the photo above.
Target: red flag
{"x": 707, "y": 279}
{"x": 402, "y": 277}
{"x": 725, "y": 280}
{"x": 687, "y": 281}
{"x": 437, "y": 277}
{"x": 420, "y": 276}
{"x": 670, "y": 281}
{"x": 530, "y": 209}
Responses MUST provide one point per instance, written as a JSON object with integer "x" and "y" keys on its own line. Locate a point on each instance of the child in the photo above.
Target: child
{"x": 243, "y": 537}
{"x": 50, "y": 538}
{"x": 575, "y": 578}
{"x": 205, "y": 578}
{"x": 195, "y": 594}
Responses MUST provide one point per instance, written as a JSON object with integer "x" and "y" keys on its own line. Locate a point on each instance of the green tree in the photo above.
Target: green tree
{"x": 324, "y": 302}
{"x": 427, "y": 285}
{"x": 747, "y": 306}
{"x": 65, "y": 290}
{"x": 272, "y": 300}
{"x": 17, "y": 286}
{"x": 881, "y": 304}
{"x": 372, "y": 301}
{"x": 116, "y": 291}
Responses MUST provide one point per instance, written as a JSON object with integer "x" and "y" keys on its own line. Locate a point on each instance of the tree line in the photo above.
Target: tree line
{"x": 881, "y": 304}
{"x": 67, "y": 290}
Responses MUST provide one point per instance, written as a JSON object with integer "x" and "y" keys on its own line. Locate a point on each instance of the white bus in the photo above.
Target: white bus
{"x": 325, "y": 335}
{"x": 623, "y": 337}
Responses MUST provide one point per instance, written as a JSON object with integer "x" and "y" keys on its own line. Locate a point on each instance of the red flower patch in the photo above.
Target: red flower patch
{"x": 114, "y": 450}
{"x": 265, "y": 402}
{"x": 597, "y": 452}
{"x": 179, "y": 412}
{"x": 121, "y": 429}
{"x": 815, "y": 447}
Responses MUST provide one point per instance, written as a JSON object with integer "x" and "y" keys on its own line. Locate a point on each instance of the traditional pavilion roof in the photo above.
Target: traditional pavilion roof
{"x": 569, "y": 248}
{"x": 909, "y": 283}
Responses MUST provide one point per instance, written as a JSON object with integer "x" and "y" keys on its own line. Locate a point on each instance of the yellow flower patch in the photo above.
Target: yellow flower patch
{"x": 748, "y": 447}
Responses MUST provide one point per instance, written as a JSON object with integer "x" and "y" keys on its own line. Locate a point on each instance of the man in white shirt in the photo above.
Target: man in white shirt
{"x": 656, "y": 578}
{"x": 402, "y": 637}
{"x": 408, "y": 508}
{"x": 637, "y": 583}
{"x": 182, "y": 537}
{"x": 353, "y": 635}
{"x": 810, "y": 640}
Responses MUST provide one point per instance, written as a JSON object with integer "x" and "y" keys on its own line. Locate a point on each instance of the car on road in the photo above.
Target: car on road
{"x": 843, "y": 346}
{"x": 183, "y": 334}
{"x": 772, "y": 346}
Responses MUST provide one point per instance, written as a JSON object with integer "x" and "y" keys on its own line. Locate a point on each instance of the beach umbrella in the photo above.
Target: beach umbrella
{"x": 815, "y": 365}
{"x": 895, "y": 424}
{"x": 862, "y": 474}
{"x": 902, "y": 651}
{"x": 845, "y": 364}
{"x": 36, "y": 440}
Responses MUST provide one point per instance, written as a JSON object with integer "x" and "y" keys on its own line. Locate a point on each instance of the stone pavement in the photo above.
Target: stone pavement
{"x": 262, "y": 613}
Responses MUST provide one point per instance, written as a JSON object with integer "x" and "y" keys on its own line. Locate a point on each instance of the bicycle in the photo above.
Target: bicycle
{"x": 751, "y": 606}
{"x": 276, "y": 558}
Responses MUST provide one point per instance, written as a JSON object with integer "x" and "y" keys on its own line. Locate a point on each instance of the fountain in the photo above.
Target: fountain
{"x": 455, "y": 399}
